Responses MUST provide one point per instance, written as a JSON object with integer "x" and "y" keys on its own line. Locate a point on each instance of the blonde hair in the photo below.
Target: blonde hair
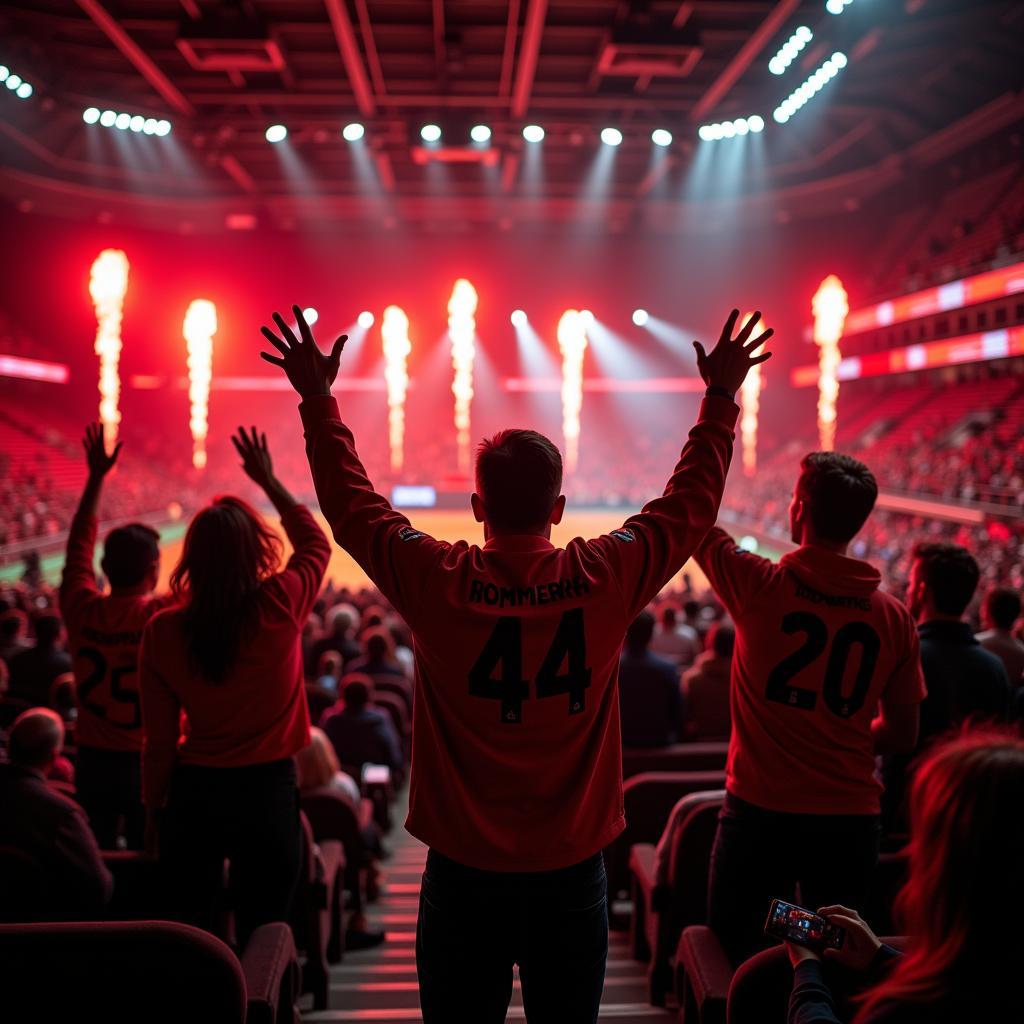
{"x": 317, "y": 763}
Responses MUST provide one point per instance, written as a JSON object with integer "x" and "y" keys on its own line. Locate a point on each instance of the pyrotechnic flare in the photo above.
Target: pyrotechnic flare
{"x": 572, "y": 342}
{"x": 750, "y": 405}
{"x": 395, "y": 333}
{"x": 830, "y": 308}
{"x": 462, "y": 331}
{"x": 199, "y": 328}
{"x": 108, "y": 283}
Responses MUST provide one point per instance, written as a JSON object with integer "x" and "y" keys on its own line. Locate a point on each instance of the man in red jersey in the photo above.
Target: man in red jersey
{"x": 826, "y": 674}
{"x": 516, "y": 781}
{"x": 104, "y": 634}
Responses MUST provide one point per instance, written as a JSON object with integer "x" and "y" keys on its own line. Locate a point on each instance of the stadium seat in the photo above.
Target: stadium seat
{"x": 137, "y": 886}
{"x": 670, "y": 885}
{"x": 154, "y": 971}
{"x": 333, "y": 820}
{"x": 648, "y": 800}
{"x": 318, "y": 903}
{"x": 679, "y": 757}
{"x": 396, "y": 687}
{"x": 757, "y": 992}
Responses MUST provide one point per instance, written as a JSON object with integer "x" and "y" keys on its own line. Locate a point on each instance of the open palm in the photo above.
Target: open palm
{"x": 309, "y": 370}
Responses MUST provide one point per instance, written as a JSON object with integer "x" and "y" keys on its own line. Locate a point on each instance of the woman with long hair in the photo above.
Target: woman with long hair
{"x": 961, "y": 906}
{"x": 227, "y": 655}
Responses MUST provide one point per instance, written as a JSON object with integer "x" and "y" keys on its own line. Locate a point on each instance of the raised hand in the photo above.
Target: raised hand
{"x": 99, "y": 462}
{"x": 255, "y": 456}
{"x": 309, "y": 370}
{"x": 729, "y": 362}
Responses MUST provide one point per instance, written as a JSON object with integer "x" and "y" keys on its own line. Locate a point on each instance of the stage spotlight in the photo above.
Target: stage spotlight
{"x": 353, "y": 132}
{"x": 4, "y": 72}
{"x": 837, "y": 6}
{"x": 430, "y": 133}
{"x": 533, "y": 133}
{"x": 480, "y": 133}
{"x": 365, "y": 319}
{"x": 640, "y": 317}
{"x": 661, "y": 137}
{"x": 276, "y": 133}
{"x": 91, "y": 115}
{"x": 789, "y": 50}
{"x": 704, "y": 131}
{"x": 23, "y": 91}
{"x": 122, "y": 121}
{"x": 518, "y": 318}
{"x": 13, "y": 81}
{"x": 137, "y": 123}
{"x": 107, "y": 118}
{"x": 755, "y": 123}
{"x": 310, "y": 315}
{"x": 586, "y": 317}
{"x": 611, "y": 136}
{"x": 810, "y": 87}
{"x": 163, "y": 128}
{"x": 741, "y": 126}
{"x": 149, "y": 126}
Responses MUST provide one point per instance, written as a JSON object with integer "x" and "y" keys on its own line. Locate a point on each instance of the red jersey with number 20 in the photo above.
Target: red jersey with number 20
{"x": 104, "y": 635}
{"x": 517, "y": 762}
{"x": 817, "y": 646}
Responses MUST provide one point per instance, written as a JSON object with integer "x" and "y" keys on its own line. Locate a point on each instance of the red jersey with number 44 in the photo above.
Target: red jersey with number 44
{"x": 818, "y": 645}
{"x": 104, "y": 634}
{"x": 517, "y": 762}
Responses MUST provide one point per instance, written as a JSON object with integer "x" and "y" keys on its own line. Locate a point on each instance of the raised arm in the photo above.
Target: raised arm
{"x": 652, "y": 547}
{"x": 735, "y": 575}
{"x": 381, "y": 540}
{"x": 311, "y": 552}
{"x": 79, "y": 579}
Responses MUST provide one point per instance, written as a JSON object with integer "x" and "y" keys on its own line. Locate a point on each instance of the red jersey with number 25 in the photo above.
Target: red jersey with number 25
{"x": 817, "y": 646}
{"x": 104, "y": 635}
{"x": 517, "y": 762}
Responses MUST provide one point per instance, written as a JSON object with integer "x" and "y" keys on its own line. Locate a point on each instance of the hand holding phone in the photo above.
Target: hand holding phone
{"x": 795, "y": 924}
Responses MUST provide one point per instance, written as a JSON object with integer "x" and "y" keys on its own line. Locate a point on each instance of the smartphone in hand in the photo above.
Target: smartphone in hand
{"x": 794, "y": 924}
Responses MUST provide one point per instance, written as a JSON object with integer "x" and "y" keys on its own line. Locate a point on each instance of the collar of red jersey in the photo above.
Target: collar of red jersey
{"x": 518, "y": 542}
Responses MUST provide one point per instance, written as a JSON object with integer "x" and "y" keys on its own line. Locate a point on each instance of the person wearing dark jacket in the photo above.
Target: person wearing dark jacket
{"x": 360, "y": 733}
{"x": 34, "y": 669}
{"x": 965, "y": 682}
{"x": 61, "y": 875}
{"x": 650, "y": 701}
{"x": 961, "y": 905}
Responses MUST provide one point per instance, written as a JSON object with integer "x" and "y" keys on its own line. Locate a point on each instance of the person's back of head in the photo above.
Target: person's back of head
{"x": 518, "y": 480}
{"x": 131, "y": 557}
{"x": 1002, "y": 608}
{"x": 35, "y": 739}
{"x": 833, "y": 497}
{"x": 357, "y": 690}
{"x": 317, "y": 763}
{"x": 691, "y": 609}
{"x": 964, "y": 896}
{"x": 344, "y": 620}
{"x": 722, "y": 639}
{"x": 640, "y": 633}
{"x": 48, "y": 628}
{"x": 329, "y": 664}
{"x": 228, "y": 551}
{"x": 669, "y": 617}
{"x": 13, "y": 626}
{"x": 378, "y": 645}
{"x": 943, "y": 578}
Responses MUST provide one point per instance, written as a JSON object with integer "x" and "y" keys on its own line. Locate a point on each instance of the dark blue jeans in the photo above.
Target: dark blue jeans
{"x": 761, "y": 855}
{"x": 474, "y": 925}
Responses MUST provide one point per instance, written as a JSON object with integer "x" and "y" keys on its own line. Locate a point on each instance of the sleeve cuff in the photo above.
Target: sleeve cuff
{"x": 808, "y": 972}
{"x": 719, "y": 410}
{"x": 318, "y": 409}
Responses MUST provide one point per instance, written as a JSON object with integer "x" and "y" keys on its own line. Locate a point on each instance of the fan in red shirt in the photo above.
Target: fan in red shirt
{"x": 826, "y": 674}
{"x": 104, "y": 634}
{"x": 228, "y": 655}
{"x": 516, "y": 781}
